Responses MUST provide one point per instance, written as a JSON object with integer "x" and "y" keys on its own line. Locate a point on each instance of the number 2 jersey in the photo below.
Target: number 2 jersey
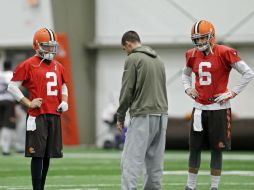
{"x": 211, "y": 71}
{"x": 42, "y": 81}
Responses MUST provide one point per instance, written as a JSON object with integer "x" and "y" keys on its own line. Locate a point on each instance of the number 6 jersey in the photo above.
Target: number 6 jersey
{"x": 42, "y": 80}
{"x": 211, "y": 71}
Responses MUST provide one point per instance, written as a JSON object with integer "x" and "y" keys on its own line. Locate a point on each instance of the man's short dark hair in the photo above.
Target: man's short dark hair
{"x": 130, "y": 36}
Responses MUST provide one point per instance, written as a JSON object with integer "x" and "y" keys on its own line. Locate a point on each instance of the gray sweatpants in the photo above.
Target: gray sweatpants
{"x": 144, "y": 146}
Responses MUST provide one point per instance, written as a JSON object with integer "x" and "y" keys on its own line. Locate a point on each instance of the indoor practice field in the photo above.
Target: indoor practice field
{"x": 92, "y": 169}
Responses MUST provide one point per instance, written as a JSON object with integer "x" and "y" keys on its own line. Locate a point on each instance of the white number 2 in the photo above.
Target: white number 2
{"x": 51, "y": 84}
{"x": 205, "y": 78}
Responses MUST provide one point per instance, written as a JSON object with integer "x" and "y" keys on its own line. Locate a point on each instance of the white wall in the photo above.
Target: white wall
{"x": 161, "y": 22}
{"x": 19, "y": 21}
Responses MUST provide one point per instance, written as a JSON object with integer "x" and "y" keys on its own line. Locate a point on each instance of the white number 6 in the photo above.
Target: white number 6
{"x": 51, "y": 84}
{"x": 202, "y": 74}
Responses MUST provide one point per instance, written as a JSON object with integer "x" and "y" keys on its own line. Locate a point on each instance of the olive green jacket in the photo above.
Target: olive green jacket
{"x": 143, "y": 85}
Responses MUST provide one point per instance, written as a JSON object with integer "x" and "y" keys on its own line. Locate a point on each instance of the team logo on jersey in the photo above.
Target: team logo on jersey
{"x": 31, "y": 150}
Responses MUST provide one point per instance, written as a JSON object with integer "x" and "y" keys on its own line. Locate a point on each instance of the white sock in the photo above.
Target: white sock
{"x": 215, "y": 181}
{"x": 192, "y": 178}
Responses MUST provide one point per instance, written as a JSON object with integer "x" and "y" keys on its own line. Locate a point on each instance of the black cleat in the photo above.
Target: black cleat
{"x": 214, "y": 188}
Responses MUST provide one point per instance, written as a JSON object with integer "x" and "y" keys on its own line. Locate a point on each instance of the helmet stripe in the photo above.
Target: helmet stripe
{"x": 196, "y": 27}
{"x": 54, "y": 37}
{"x": 51, "y": 34}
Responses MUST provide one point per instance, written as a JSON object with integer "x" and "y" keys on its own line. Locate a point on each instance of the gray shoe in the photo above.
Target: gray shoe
{"x": 187, "y": 188}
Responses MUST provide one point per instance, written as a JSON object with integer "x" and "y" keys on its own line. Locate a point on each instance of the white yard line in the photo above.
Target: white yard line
{"x": 204, "y": 172}
{"x": 176, "y": 172}
{"x": 168, "y": 155}
{"x": 115, "y": 155}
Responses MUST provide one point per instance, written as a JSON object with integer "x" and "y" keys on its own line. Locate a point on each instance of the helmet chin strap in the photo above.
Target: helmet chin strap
{"x": 207, "y": 50}
{"x": 48, "y": 56}
{"x": 204, "y": 47}
{"x": 42, "y": 58}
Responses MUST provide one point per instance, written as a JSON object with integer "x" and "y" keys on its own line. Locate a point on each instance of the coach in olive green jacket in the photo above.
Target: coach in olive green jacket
{"x": 143, "y": 84}
{"x": 144, "y": 94}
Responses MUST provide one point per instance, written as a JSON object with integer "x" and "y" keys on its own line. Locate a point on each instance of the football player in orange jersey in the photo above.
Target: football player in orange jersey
{"x": 44, "y": 78}
{"x": 211, "y": 117}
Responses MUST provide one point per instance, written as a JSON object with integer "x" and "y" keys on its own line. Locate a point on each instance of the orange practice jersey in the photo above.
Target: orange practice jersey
{"x": 211, "y": 71}
{"x": 42, "y": 81}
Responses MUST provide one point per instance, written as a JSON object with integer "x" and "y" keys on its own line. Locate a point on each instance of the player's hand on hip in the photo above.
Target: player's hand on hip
{"x": 224, "y": 97}
{"x": 36, "y": 103}
{"x": 63, "y": 107}
{"x": 192, "y": 92}
{"x": 120, "y": 126}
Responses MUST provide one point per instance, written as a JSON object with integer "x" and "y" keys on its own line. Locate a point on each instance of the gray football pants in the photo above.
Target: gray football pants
{"x": 144, "y": 146}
